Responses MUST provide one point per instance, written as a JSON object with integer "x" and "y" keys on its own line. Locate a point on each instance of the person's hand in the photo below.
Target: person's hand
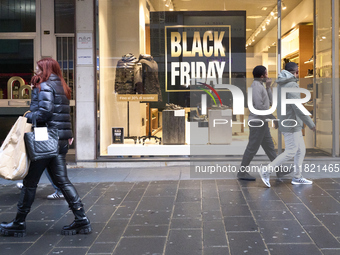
{"x": 314, "y": 129}
{"x": 70, "y": 141}
{"x": 268, "y": 82}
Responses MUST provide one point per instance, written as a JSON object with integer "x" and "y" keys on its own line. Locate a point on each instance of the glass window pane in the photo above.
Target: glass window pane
{"x": 17, "y": 16}
{"x": 16, "y": 60}
{"x": 64, "y": 16}
{"x": 323, "y": 68}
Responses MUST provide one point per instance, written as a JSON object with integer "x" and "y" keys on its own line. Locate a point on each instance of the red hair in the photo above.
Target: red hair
{"x": 47, "y": 67}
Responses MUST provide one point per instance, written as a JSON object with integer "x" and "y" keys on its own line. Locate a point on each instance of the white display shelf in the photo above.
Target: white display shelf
{"x": 236, "y": 148}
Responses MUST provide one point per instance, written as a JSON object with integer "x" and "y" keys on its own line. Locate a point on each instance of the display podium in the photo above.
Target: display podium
{"x": 173, "y": 122}
{"x": 220, "y": 126}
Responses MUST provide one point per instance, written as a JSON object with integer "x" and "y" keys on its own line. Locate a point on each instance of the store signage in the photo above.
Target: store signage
{"x": 138, "y": 97}
{"x": 117, "y": 135}
{"x": 84, "y": 41}
{"x": 195, "y": 54}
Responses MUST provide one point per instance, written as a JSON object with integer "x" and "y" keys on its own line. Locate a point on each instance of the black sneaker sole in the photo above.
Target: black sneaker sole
{"x": 81, "y": 230}
{"x": 15, "y": 233}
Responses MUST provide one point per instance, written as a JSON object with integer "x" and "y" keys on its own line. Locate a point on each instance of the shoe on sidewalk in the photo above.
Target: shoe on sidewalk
{"x": 19, "y": 185}
{"x": 265, "y": 176}
{"x": 301, "y": 181}
{"x": 242, "y": 175}
{"x": 55, "y": 196}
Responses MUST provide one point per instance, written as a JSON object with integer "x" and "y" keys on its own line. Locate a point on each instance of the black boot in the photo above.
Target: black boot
{"x": 80, "y": 225}
{"x": 17, "y": 227}
{"x": 243, "y": 175}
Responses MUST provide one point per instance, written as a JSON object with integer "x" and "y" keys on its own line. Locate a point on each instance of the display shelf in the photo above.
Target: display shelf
{"x": 298, "y": 48}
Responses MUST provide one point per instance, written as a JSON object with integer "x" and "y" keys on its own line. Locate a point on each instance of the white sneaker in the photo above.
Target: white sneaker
{"x": 265, "y": 176}
{"x": 19, "y": 185}
{"x": 55, "y": 196}
{"x": 301, "y": 181}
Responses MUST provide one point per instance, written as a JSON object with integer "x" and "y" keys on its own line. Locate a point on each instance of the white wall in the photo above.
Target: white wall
{"x": 121, "y": 31}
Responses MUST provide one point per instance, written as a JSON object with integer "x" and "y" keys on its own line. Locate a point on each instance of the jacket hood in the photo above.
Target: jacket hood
{"x": 286, "y": 77}
{"x": 145, "y": 56}
{"x": 129, "y": 57}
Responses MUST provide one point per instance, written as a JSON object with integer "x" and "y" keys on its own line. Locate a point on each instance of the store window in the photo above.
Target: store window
{"x": 17, "y": 16}
{"x": 64, "y": 11}
{"x": 16, "y": 68}
{"x": 323, "y": 67}
{"x": 162, "y": 71}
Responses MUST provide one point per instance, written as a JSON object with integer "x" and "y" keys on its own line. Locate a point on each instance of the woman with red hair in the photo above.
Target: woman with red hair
{"x": 50, "y": 106}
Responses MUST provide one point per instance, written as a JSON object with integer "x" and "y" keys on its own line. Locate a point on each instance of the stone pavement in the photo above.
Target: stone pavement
{"x": 164, "y": 212}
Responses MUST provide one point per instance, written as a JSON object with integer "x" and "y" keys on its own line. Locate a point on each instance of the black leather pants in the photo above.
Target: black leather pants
{"x": 57, "y": 169}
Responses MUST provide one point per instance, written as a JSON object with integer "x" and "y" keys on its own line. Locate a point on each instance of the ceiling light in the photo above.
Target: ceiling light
{"x": 264, "y": 8}
{"x": 324, "y": 37}
{"x": 272, "y": 13}
{"x": 283, "y": 6}
{"x": 249, "y": 29}
{"x": 167, "y": 4}
{"x": 264, "y": 28}
{"x": 254, "y": 17}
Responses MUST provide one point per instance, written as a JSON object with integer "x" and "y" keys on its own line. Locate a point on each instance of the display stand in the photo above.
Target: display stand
{"x": 149, "y": 136}
{"x": 135, "y": 138}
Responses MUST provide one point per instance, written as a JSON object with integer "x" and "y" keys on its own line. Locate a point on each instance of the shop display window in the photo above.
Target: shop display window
{"x": 163, "y": 66}
{"x": 154, "y": 68}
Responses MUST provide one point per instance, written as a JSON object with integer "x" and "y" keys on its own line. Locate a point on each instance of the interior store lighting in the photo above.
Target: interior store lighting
{"x": 283, "y": 6}
{"x": 171, "y": 8}
{"x": 167, "y": 4}
{"x": 263, "y": 26}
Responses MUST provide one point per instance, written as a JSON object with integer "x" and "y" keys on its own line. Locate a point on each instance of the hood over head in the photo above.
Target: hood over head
{"x": 286, "y": 77}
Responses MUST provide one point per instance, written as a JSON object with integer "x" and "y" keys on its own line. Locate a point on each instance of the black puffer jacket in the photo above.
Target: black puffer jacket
{"x": 51, "y": 107}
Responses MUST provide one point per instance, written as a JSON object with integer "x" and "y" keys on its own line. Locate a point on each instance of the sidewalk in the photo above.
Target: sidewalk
{"x": 163, "y": 211}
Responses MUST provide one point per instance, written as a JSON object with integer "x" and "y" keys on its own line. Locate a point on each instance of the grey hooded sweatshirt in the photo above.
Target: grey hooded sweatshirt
{"x": 288, "y": 80}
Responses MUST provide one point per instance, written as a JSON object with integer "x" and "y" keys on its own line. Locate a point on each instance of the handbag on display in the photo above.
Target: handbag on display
{"x": 42, "y": 143}
{"x": 14, "y": 162}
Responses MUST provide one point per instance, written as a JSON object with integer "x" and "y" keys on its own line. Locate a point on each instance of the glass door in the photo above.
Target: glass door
{"x": 323, "y": 75}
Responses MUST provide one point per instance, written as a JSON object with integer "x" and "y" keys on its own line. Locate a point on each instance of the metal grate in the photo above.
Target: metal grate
{"x": 65, "y": 58}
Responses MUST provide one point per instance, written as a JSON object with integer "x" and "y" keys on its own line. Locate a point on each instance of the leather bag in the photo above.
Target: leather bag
{"x": 41, "y": 148}
{"x": 14, "y": 162}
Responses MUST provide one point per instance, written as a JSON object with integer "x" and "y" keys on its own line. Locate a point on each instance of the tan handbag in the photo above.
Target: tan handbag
{"x": 14, "y": 162}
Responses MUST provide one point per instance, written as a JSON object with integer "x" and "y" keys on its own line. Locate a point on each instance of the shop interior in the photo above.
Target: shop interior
{"x": 138, "y": 121}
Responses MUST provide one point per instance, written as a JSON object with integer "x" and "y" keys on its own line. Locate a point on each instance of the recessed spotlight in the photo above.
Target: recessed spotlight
{"x": 324, "y": 37}
{"x": 264, "y": 8}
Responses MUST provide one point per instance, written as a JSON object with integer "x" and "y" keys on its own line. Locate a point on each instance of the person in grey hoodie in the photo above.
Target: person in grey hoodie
{"x": 291, "y": 130}
{"x": 259, "y": 133}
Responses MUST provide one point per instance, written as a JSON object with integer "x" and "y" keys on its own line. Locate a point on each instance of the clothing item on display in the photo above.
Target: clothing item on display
{"x": 173, "y": 107}
{"x": 201, "y": 118}
{"x": 124, "y": 83}
{"x": 137, "y": 76}
{"x": 149, "y": 72}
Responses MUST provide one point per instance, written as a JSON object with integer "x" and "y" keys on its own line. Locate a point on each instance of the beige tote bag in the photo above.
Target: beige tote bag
{"x": 14, "y": 162}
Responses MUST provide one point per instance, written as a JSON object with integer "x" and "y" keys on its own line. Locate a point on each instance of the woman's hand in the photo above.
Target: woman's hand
{"x": 70, "y": 141}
